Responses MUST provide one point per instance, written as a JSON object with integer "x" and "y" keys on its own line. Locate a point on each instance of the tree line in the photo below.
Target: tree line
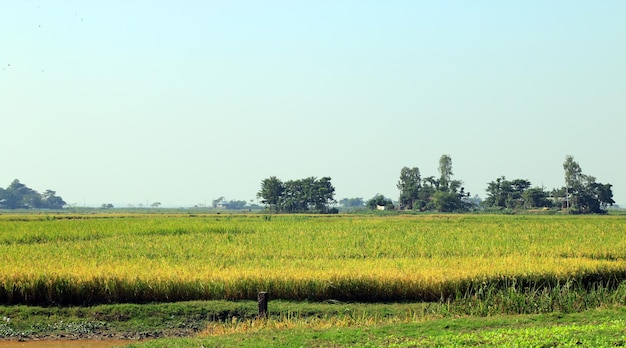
{"x": 301, "y": 195}
{"x": 581, "y": 193}
{"x": 20, "y": 196}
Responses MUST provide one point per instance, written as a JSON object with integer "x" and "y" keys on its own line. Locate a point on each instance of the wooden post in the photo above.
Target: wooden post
{"x": 263, "y": 298}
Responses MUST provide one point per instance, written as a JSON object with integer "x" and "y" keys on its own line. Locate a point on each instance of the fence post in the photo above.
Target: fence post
{"x": 263, "y": 298}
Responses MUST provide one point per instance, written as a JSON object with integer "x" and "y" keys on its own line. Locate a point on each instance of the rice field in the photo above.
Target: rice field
{"x": 109, "y": 258}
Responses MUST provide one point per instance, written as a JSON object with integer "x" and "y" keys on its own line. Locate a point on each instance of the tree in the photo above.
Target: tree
{"x": 603, "y": 193}
{"x": 450, "y": 195}
{"x": 573, "y": 180}
{"x": 52, "y": 201}
{"x": 446, "y": 201}
{"x": 536, "y": 197}
{"x": 520, "y": 185}
{"x": 594, "y": 197}
{"x": 496, "y": 196}
{"x": 236, "y": 204}
{"x": 272, "y": 190}
{"x": 380, "y": 201}
{"x": 356, "y": 202}
{"x": 429, "y": 186}
{"x": 445, "y": 171}
{"x": 506, "y": 194}
{"x": 20, "y": 196}
{"x": 409, "y": 186}
{"x": 217, "y": 202}
{"x": 422, "y": 194}
{"x": 297, "y": 195}
{"x": 14, "y": 194}
{"x": 426, "y": 193}
{"x": 582, "y": 193}
{"x": 322, "y": 194}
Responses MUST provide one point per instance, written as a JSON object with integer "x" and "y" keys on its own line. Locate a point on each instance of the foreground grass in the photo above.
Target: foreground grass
{"x": 594, "y": 328}
{"x": 229, "y": 324}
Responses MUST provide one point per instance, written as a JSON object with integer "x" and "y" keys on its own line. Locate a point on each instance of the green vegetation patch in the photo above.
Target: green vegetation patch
{"x": 594, "y": 328}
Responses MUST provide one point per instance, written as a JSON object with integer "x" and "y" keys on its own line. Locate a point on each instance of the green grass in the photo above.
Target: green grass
{"x": 316, "y": 324}
{"x": 594, "y": 328}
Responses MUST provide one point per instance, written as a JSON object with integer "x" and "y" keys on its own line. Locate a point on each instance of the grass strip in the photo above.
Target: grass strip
{"x": 594, "y": 328}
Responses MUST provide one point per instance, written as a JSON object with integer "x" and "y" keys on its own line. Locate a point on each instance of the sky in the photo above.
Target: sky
{"x": 182, "y": 102}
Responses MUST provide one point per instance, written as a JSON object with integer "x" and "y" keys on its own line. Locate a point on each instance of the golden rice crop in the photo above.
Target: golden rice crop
{"x": 138, "y": 258}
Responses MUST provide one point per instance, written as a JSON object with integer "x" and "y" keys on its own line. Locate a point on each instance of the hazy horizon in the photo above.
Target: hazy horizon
{"x": 181, "y": 103}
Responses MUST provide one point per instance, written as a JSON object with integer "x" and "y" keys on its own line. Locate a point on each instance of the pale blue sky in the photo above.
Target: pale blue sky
{"x": 184, "y": 101}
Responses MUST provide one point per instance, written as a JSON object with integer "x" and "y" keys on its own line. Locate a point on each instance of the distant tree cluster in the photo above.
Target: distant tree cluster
{"x": 380, "y": 202}
{"x": 580, "y": 195}
{"x": 20, "y": 196}
{"x": 302, "y": 195}
{"x": 516, "y": 194}
{"x": 432, "y": 194}
{"x": 356, "y": 202}
{"x": 222, "y": 203}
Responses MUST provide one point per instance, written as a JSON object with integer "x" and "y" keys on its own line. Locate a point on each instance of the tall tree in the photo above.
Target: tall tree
{"x": 409, "y": 186}
{"x": 445, "y": 171}
{"x": 583, "y": 194}
{"x": 573, "y": 179}
{"x": 450, "y": 195}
